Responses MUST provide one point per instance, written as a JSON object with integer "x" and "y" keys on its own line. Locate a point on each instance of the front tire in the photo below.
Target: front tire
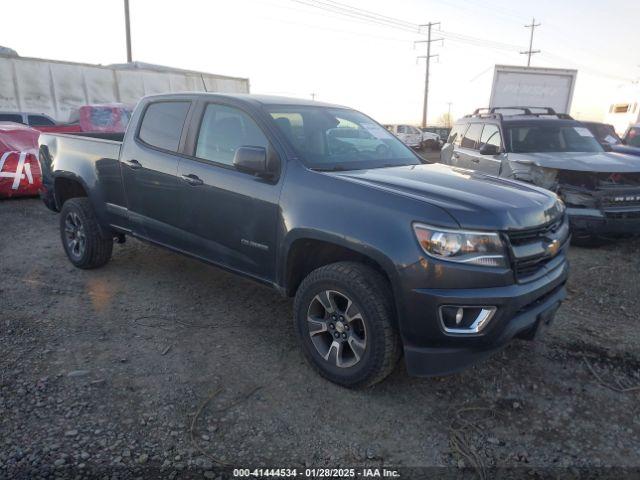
{"x": 84, "y": 242}
{"x": 345, "y": 321}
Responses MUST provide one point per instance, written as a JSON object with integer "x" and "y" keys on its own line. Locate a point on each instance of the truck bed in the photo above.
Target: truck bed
{"x": 92, "y": 157}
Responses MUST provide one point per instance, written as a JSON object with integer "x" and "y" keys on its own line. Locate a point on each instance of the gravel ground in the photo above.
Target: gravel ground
{"x": 159, "y": 363}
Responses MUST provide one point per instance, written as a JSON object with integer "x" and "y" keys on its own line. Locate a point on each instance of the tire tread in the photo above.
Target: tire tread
{"x": 377, "y": 294}
{"x": 99, "y": 245}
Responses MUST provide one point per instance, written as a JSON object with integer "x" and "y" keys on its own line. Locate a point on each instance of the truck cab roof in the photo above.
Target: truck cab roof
{"x": 256, "y": 100}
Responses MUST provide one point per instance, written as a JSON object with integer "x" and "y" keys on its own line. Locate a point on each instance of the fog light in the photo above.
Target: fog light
{"x": 465, "y": 320}
{"x": 459, "y": 315}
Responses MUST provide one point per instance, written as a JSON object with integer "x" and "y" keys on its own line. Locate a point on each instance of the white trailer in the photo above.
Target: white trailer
{"x": 58, "y": 88}
{"x": 533, "y": 87}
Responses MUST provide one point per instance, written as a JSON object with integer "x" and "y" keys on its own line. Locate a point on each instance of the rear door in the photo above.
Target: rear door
{"x": 489, "y": 163}
{"x": 149, "y": 165}
{"x": 227, "y": 217}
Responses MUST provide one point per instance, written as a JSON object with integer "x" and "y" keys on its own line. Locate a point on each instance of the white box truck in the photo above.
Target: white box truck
{"x": 624, "y": 111}
{"x": 533, "y": 87}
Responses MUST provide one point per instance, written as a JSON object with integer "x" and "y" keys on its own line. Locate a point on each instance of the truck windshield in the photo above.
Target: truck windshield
{"x": 339, "y": 139}
{"x": 551, "y": 138}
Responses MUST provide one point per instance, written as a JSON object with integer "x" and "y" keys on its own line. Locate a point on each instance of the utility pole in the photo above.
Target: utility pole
{"x": 128, "y": 29}
{"x": 427, "y": 58}
{"x": 531, "y": 51}
{"x": 449, "y": 115}
{"x": 313, "y": 96}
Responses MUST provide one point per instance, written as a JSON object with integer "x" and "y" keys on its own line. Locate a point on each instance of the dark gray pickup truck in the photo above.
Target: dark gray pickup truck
{"x": 383, "y": 254}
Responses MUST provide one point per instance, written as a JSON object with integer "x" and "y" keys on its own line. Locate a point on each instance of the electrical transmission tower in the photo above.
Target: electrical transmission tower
{"x": 427, "y": 58}
{"x": 531, "y": 51}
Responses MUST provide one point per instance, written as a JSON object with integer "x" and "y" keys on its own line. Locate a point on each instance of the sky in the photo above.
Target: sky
{"x": 294, "y": 48}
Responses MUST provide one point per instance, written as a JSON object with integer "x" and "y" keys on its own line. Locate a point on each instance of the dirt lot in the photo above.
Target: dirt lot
{"x": 110, "y": 370}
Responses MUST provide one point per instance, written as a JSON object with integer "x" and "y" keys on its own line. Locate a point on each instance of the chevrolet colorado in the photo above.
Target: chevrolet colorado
{"x": 383, "y": 254}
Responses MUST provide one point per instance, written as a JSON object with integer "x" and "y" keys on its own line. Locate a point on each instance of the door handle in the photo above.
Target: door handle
{"x": 133, "y": 163}
{"x": 192, "y": 179}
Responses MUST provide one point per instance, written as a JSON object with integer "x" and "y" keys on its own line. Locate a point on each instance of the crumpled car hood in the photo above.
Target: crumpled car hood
{"x": 474, "y": 200}
{"x": 579, "y": 161}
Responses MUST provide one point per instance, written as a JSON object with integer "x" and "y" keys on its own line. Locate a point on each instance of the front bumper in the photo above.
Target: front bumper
{"x": 521, "y": 309}
{"x": 604, "y": 222}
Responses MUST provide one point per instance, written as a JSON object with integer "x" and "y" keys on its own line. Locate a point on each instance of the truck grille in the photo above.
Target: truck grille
{"x": 622, "y": 200}
{"x": 537, "y": 250}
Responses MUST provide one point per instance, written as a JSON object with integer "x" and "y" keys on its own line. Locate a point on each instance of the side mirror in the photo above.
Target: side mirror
{"x": 254, "y": 160}
{"x": 488, "y": 149}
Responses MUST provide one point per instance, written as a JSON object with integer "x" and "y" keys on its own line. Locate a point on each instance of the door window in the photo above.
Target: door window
{"x": 455, "y": 137}
{"x": 11, "y": 117}
{"x": 162, "y": 124}
{"x": 39, "y": 120}
{"x": 472, "y": 137}
{"x": 223, "y": 130}
{"x": 402, "y": 129}
{"x": 491, "y": 136}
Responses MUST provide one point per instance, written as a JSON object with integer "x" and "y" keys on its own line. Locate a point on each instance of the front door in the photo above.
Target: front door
{"x": 490, "y": 164}
{"x": 228, "y": 217}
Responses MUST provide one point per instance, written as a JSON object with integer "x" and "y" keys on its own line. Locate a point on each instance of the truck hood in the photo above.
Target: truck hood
{"x": 474, "y": 200}
{"x": 626, "y": 149}
{"x": 579, "y": 161}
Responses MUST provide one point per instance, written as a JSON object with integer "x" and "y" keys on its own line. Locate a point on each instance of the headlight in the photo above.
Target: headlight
{"x": 477, "y": 248}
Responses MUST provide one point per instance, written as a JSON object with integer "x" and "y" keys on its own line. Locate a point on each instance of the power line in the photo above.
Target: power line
{"x": 369, "y": 13}
{"x": 480, "y": 42}
{"x": 531, "y": 51}
{"x": 370, "y": 17}
{"x": 360, "y": 14}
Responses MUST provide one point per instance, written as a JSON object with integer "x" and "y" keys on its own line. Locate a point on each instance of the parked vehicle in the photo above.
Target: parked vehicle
{"x": 381, "y": 252}
{"x": 19, "y": 168}
{"x": 431, "y": 140}
{"x": 108, "y": 117}
{"x": 27, "y": 118}
{"x": 442, "y": 132}
{"x": 408, "y": 134}
{"x": 554, "y": 151}
{"x": 632, "y": 136}
{"x": 610, "y": 140}
{"x": 354, "y": 139}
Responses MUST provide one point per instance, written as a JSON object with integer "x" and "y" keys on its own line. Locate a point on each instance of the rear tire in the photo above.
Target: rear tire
{"x": 345, "y": 321}
{"x": 82, "y": 238}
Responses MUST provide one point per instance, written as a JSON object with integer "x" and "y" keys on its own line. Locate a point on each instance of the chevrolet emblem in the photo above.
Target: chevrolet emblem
{"x": 552, "y": 248}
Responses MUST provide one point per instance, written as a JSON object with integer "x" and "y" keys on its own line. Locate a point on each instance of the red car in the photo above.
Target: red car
{"x": 19, "y": 169}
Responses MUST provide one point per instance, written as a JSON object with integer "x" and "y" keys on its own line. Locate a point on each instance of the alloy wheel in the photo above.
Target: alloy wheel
{"x": 337, "y": 328}
{"x": 75, "y": 235}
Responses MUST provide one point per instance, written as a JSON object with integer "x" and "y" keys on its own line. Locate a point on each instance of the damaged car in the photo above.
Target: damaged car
{"x": 601, "y": 189}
